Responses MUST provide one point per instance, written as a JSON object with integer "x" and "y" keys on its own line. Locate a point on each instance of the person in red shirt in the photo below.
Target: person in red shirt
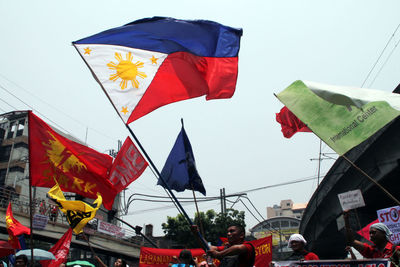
{"x": 380, "y": 237}
{"x": 297, "y": 243}
{"x": 237, "y": 252}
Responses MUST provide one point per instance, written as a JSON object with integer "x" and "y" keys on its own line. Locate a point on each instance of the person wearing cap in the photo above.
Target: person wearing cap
{"x": 379, "y": 235}
{"x": 297, "y": 243}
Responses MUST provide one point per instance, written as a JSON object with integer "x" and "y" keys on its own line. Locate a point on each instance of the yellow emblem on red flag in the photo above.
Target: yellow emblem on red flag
{"x": 14, "y": 228}
{"x": 78, "y": 212}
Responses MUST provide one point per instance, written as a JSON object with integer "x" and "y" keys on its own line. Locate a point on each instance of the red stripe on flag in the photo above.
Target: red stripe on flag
{"x": 183, "y": 76}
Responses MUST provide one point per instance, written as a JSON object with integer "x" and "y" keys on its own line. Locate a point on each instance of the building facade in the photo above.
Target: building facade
{"x": 107, "y": 236}
{"x": 287, "y": 209}
{"x": 282, "y": 221}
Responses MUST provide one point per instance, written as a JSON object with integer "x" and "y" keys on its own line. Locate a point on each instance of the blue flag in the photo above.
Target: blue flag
{"x": 180, "y": 171}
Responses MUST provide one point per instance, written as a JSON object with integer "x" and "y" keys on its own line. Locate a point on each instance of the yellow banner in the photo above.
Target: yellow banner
{"x": 78, "y": 212}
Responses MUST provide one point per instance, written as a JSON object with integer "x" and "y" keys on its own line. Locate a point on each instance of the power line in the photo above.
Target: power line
{"x": 55, "y": 108}
{"x": 8, "y": 104}
{"x": 29, "y": 106}
{"x": 281, "y": 184}
{"x": 376, "y": 62}
{"x": 383, "y": 65}
{"x": 205, "y": 199}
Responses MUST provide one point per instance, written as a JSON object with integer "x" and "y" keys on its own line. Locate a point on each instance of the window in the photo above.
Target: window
{"x": 2, "y": 133}
{"x": 295, "y": 224}
{"x": 11, "y": 132}
{"x": 3, "y": 173}
{"x": 284, "y": 223}
{"x": 21, "y": 144}
{"x": 5, "y": 152}
{"x": 17, "y": 169}
{"x": 21, "y": 126}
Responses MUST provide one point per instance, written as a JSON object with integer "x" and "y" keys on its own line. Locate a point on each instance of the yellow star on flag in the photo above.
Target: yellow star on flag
{"x": 87, "y": 50}
{"x": 124, "y": 110}
{"x": 153, "y": 60}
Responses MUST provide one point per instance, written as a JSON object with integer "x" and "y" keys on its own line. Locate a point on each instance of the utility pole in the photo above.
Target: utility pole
{"x": 223, "y": 200}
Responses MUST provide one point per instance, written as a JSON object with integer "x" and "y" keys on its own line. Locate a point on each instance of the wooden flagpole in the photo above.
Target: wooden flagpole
{"x": 372, "y": 180}
{"x": 30, "y": 187}
{"x": 180, "y": 208}
{"x": 204, "y": 243}
{"x": 198, "y": 212}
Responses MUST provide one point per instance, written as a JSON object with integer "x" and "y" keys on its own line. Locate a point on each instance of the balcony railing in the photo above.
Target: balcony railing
{"x": 20, "y": 205}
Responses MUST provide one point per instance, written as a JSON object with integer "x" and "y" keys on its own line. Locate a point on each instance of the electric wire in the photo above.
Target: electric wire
{"x": 376, "y": 62}
{"x": 55, "y": 108}
{"x": 212, "y": 198}
{"x": 281, "y": 184}
{"x": 29, "y": 106}
{"x": 251, "y": 203}
{"x": 8, "y": 104}
{"x": 383, "y": 65}
{"x": 269, "y": 226}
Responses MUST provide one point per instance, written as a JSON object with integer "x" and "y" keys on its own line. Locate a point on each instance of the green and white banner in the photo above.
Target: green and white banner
{"x": 342, "y": 117}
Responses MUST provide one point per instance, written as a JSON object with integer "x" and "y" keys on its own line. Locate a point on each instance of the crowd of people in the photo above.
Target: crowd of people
{"x": 239, "y": 253}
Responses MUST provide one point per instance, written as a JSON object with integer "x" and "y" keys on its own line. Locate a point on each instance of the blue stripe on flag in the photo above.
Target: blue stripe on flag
{"x": 168, "y": 35}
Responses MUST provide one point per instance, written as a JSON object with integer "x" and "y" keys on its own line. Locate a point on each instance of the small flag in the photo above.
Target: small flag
{"x": 364, "y": 232}
{"x": 60, "y": 250}
{"x": 290, "y": 124}
{"x": 14, "y": 228}
{"x": 342, "y": 117}
{"x": 77, "y": 168}
{"x": 180, "y": 171}
{"x": 127, "y": 167}
{"x": 78, "y": 213}
{"x": 153, "y": 62}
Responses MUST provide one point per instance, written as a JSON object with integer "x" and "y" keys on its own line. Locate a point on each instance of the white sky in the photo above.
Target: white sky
{"x": 237, "y": 142}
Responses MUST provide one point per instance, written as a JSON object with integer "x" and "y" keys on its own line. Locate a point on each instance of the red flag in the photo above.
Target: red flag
{"x": 127, "y": 167}
{"x": 263, "y": 249}
{"x": 77, "y": 168}
{"x": 6, "y": 249}
{"x": 60, "y": 250}
{"x": 158, "y": 257}
{"x": 14, "y": 228}
{"x": 290, "y": 123}
{"x": 364, "y": 232}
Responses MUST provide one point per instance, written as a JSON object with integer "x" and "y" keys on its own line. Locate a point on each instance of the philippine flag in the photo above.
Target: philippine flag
{"x": 152, "y": 62}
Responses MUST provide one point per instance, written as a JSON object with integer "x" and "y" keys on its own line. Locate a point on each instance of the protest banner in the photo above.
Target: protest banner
{"x": 335, "y": 263}
{"x": 391, "y": 218}
{"x": 156, "y": 257}
{"x": 351, "y": 200}
{"x": 110, "y": 229}
{"x": 39, "y": 221}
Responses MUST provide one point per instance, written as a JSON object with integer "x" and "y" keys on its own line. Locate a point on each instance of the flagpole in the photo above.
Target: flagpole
{"x": 180, "y": 209}
{"x": 30, "y": 187}
{"x": 204, "y": 243}
{"x": 198, "y": 212}
{"x": 372, "y": 180}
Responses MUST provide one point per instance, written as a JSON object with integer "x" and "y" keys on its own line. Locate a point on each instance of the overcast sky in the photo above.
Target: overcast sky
{"x": 237, "y": 143}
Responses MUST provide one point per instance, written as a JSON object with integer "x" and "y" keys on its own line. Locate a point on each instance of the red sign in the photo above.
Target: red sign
{"x": 156, "y": 257}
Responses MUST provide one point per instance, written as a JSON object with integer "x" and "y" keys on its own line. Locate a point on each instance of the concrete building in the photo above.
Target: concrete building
{"x": 107, "y": 236}
{"x": 287, "y": 209}
{"x": 282, "y": 221}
